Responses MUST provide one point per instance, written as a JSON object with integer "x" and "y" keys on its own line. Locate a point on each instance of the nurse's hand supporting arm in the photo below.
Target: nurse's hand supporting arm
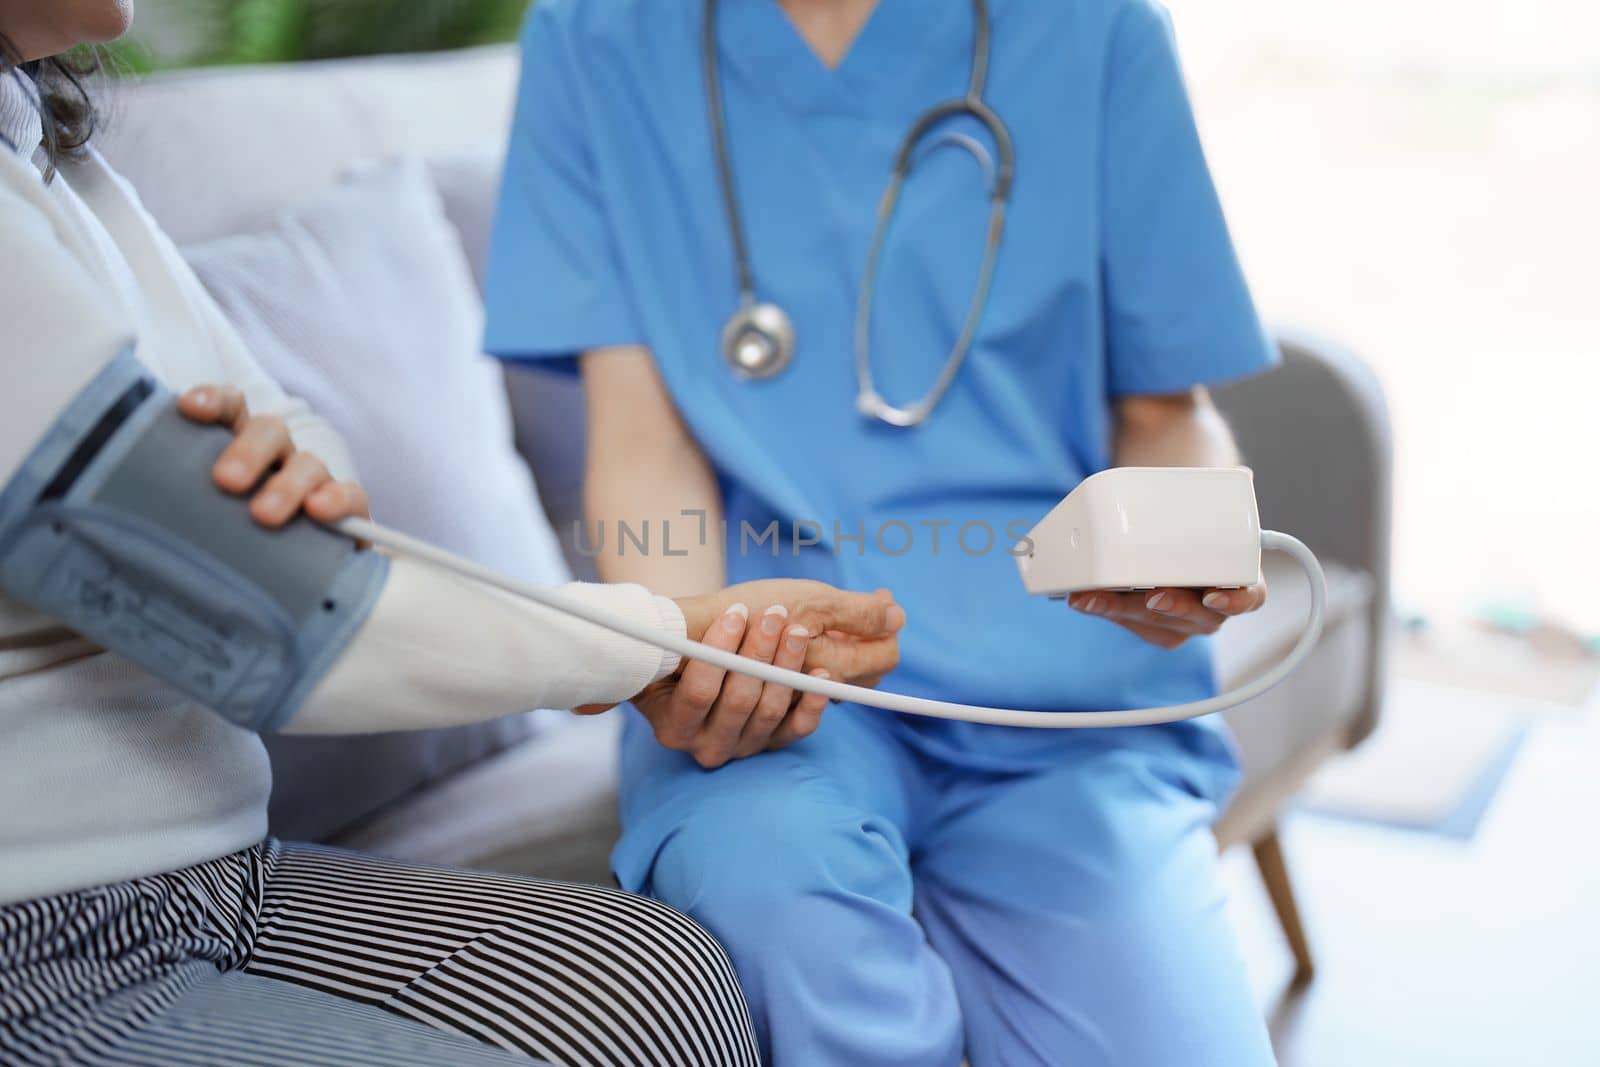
{"x": 701, "y": 709}
{"x": 1174, "y": 430}
{"x": 643, "y": 465}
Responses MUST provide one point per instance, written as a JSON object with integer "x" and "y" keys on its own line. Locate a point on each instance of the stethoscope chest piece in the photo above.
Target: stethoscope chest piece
{"x": 758, "y": 341}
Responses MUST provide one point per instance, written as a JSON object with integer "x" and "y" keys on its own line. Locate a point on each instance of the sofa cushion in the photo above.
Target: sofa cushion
{"x": 488, "y": 817}
{"x": 217, "y": 150}
{"x": 547, "y": 409}
{"x": 362, "y": 303}
{"x": 468, "y": 186}
{"x": 547, "y": 406}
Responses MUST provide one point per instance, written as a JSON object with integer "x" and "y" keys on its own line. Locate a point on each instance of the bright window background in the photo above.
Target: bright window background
{"x": 1421, "y": 180}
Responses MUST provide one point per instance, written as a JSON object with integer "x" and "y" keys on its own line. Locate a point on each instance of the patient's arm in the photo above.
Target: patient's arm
{"x": 1172, "y": 430}
{"x": 438, "y": 650}
{"x": 435, "y": 650}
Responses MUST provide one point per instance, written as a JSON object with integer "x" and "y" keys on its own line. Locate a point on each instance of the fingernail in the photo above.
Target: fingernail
{"x": 735, "y": 617}
{"x": 896, "y": 618}
{"x": 772, "y": 620}
{"x": 1160, "y": 602}
{"x": 232, "y": 470}
{"x": 203, "y": 396}
{"x": 798, "y": 636}
{"x": 273, "y": 502}
{"x": 1094, "y": 605}
{"x": 1215, "y": 601}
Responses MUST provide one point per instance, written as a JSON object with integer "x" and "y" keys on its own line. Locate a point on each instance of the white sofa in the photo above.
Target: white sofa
{"x": 213, "y": 152}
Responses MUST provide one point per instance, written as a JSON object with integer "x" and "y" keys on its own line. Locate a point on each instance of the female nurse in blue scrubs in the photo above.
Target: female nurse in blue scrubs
{"x": 897, "y": 890}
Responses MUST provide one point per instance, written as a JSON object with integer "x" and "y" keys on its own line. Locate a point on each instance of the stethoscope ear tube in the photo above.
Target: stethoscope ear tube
{"x": 371, "y": 532}
{"x": 1004, "y": 163}
{"x": 868, "y": 400}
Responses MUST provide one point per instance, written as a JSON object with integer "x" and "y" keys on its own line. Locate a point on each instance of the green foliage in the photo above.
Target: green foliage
{"x": 127, "y": 56}
{"x": 277, "y": 31}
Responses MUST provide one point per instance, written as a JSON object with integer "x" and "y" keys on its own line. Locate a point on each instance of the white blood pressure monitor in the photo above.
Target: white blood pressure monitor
{"x": 1143, "y": 527}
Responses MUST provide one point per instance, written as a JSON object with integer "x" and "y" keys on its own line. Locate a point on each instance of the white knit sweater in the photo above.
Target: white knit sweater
{"x": 108, "y": 774}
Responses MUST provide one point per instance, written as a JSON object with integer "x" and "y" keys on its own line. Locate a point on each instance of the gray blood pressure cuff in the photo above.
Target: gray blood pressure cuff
{"x": 113, "y": 526}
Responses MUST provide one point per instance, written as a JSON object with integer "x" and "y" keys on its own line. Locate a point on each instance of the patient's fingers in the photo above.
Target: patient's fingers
{"x": 698, "y": 685}
{"x": 281, "y": 497}
{"x": 333, "y": 501}
{"x": 261, "y": 442}
{"x": 722, "y": 729}
{"x": 803, "y": 720}
{"x": 220, "y": 404}
{"x": 773, "y": 707}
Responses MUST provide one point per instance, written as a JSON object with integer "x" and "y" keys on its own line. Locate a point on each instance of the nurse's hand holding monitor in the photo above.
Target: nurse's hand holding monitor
{"x": 1171, "y": 430}
{"x": 1168, "y": 617}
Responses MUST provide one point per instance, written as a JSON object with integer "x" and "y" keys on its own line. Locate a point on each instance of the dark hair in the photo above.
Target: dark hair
{"x": 66, "y": 109}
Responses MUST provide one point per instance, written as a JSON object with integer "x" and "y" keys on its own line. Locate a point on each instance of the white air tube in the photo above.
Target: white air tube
{"x": 364, "y": 530}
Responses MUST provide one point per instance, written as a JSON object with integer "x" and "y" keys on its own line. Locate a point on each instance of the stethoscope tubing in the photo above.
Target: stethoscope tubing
{"x": 1002, "y": 170}
{"x": 724, "y": 161}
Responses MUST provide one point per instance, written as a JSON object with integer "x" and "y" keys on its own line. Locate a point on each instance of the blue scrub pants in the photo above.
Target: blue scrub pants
{"x": 883, "y": 907}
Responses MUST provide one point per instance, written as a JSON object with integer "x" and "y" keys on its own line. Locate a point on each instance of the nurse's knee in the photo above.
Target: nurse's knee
{"x": 764, "y": 851}
{"x": 1135, "y": 840}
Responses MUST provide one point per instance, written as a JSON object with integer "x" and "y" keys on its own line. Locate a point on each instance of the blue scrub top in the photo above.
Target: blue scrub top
{"x": 1116, "y": 276}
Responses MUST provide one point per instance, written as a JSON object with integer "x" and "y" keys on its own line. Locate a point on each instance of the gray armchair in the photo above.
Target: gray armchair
{"x": 1316, "y": 432}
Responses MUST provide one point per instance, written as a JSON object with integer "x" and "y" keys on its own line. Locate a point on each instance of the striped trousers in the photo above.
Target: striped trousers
{"x": 293, "y": 954}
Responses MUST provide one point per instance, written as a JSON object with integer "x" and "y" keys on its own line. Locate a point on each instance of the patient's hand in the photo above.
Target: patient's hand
{"x": 1169, "y": 617}
{"x": 716, "y": 715}
{"x": 261, "y": 447}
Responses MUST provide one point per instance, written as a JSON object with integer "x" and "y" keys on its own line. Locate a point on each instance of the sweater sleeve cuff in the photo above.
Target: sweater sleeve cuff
{"x": 634, "y": 664}
{"x": 672, "y": 622}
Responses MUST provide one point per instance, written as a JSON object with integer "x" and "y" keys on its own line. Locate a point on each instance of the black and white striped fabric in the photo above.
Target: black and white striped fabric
{"x": 287, "y": 954}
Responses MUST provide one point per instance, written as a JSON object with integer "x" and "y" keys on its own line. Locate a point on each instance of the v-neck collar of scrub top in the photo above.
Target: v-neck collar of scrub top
{"x": 885, "y": 72}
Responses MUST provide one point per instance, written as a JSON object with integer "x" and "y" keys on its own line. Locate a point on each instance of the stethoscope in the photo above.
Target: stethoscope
{"x": 758, "y": 339}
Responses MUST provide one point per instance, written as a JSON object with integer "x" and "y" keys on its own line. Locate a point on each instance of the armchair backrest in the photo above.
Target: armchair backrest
{"x": 1316, "y": 432}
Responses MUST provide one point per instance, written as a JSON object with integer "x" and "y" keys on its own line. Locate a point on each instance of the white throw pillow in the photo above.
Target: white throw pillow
{"x": 362, "y": 303}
